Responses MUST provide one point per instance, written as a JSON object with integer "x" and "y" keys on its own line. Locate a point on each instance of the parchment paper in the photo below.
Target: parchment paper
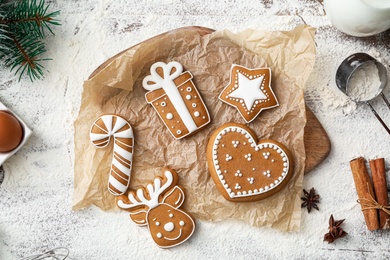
{"x": 118, "y": 89}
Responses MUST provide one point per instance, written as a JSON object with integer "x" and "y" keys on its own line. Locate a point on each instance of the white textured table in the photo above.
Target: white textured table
{"x": 36, "y": 194}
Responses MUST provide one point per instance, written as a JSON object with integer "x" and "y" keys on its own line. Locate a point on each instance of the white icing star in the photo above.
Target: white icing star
{"x": 248, "y": 90}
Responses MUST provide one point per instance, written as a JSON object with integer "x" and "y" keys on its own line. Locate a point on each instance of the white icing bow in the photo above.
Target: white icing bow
{"x": 155, "y": 81}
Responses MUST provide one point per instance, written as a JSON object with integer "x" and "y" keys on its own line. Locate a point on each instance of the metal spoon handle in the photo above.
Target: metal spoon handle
{"x": 385, "y": 99}
{"x": 378, "y": 117}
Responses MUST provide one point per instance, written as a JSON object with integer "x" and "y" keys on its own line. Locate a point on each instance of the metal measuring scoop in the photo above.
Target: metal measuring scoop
{"x": 349, "y": 66}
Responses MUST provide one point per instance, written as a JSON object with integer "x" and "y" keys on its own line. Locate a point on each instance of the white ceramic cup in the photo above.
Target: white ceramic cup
{"x": 359, "y": 17}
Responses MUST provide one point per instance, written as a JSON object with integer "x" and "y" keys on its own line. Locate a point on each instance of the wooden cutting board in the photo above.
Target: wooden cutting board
{"x": 317, "y": 143}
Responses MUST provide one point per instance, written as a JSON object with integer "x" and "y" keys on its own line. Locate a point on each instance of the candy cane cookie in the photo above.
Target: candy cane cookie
{"x": 101, "y": 132}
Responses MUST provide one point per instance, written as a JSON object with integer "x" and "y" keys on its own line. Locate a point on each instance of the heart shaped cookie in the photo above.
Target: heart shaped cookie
{"x": 246, "y": 170}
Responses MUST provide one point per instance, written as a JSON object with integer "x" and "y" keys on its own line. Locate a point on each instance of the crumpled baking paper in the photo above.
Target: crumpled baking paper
{"x": 116, "y": 88}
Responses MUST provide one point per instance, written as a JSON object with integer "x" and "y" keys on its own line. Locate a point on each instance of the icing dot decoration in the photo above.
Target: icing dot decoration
{"x": 235, "y": 143}
{"x": 238, "y": 173}
{"x": 228, "y": 157}
{"x": 169, "y": 116}
{"x": 169, "y": 227}
{"x": 248, "y": 156}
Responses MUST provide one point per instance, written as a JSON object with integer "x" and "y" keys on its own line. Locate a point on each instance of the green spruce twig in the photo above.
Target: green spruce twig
{"x": 3, "y": 27}
{"x": 22, "y": 30}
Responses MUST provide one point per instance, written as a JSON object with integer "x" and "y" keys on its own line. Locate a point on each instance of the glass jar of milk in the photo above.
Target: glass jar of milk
{"x": 359, "y": 17}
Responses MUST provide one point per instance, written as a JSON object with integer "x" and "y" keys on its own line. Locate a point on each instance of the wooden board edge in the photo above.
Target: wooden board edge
{"x": 200, "y": 30}
{"x": 317, "y": 142}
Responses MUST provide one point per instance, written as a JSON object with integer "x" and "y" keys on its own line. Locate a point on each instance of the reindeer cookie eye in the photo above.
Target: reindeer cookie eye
{"x": 171, "y": 215}
{"x": 157, "y": 223}
{"x": 159, "y": 235}
{"x": 181, "y": 223}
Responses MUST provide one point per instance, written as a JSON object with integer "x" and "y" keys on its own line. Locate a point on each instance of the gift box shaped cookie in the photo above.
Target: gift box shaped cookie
{"x": 176, "y": 99}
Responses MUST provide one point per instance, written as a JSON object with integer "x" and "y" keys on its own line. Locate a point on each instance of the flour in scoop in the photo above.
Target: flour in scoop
{"x": 364, "y": 83}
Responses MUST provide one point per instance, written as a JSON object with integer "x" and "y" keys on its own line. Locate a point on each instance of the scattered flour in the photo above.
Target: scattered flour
{"x": 364, "y": 83}
{"x": 321, "y": 91}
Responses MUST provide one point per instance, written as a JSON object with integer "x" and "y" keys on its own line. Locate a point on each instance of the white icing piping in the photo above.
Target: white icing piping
{"x": 187, "y": 237}
{"x": 154, "y": 192}
{"x": 170, "y": 89}
{"x": 126, "y": 152}
{"x": 175, "y": 238}
{"x": 230, "y": 82}
{"x": 261, "y": 190}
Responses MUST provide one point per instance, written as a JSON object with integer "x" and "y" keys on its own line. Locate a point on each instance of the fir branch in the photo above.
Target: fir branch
{"x": 30, "y": 16}
{"x": 22, "y": 30}
{"x": 23, "y": 56}
{"x": 3, "y": 30}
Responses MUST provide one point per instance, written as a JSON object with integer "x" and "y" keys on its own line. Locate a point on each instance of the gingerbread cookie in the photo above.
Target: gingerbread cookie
{"x": 102, "y": 130}
{"x": 244, "y": 169}
{"x": 177, "y": 101}
{"x": 249, "y": 90}
{"x": 157, "y": 206}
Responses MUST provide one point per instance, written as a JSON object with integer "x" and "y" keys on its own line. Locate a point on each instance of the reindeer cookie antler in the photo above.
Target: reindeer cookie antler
{"x": 157, "y": 206}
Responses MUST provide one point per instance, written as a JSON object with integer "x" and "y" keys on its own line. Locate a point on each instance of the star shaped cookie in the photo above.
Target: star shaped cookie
{"x": 249, "y": 90}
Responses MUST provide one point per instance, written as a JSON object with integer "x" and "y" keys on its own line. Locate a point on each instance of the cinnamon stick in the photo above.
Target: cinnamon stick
{"x": 364, "y": 191}
{"x": 380, "y": 188}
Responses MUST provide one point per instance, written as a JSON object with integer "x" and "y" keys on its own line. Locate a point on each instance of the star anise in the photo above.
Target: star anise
{"x": 310, "y": 200}
{"x": 335, "y": 231}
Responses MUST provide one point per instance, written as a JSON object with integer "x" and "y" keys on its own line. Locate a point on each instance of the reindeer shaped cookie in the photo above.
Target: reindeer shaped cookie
{"x": 157, "y": 206}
